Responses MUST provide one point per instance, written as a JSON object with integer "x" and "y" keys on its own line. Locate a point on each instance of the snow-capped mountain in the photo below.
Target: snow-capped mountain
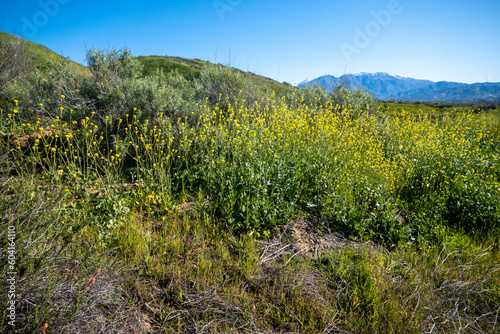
{"x": 385, "y": 86}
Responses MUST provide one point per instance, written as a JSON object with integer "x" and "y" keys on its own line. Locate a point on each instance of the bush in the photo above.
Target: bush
{"x": 109, "y": 69}
{"x": 117, "y": 88}
{"x": 40, "y": 91}
{"x": 220, "y": 85}
{"x": 355, "y": 99}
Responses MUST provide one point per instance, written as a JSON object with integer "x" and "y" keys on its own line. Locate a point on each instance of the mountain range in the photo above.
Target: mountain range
{"x": 384, "y": 86}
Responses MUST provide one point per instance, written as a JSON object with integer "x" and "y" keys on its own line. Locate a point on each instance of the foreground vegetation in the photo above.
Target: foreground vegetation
{"x": 153, "y": 203}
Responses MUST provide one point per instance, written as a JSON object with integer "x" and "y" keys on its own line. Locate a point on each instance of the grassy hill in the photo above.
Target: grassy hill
{"x": 199, "y": 200}
{"x": 37, "y": 54}
{"x": 191, "y": 69}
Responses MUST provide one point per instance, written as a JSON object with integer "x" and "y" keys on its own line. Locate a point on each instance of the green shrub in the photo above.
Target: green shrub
{"x": 355, "y": 99}
{"x": 117, "y": 88}
{"x": 40, "y": 91}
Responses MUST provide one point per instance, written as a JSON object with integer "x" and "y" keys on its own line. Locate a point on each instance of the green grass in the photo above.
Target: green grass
{"x": 189, "y": 70}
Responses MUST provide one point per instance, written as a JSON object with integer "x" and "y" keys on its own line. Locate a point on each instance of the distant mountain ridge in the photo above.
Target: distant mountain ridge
{"x": 384, "y": 86}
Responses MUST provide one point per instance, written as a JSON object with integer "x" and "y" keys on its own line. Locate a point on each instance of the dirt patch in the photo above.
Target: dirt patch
{"x": 303, "y": 238}
{"x": 23, "y": 141}
{"x": 190, "y": 204}
{"x": 185, "y": 207}
{"x": 311, "y": 237}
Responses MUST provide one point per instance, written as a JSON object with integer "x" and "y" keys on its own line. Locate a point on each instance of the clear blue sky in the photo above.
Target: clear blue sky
{"x": 287, "y": 40}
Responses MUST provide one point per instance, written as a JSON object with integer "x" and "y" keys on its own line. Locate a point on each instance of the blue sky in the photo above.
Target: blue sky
{"x": 287, "y": 40}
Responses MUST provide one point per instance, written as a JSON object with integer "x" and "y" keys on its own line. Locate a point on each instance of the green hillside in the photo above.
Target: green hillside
{"x": 192, "y": 68}
{"x": 189, "y": 68}
{"x": 38, "y": 54}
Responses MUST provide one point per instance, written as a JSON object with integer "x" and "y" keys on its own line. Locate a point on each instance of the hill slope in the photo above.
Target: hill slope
{"x": 192, "y": 68}
{"x": 37, "y": 55}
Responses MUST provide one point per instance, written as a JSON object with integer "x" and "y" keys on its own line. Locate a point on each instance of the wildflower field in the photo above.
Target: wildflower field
{"x": 303, "y": 212}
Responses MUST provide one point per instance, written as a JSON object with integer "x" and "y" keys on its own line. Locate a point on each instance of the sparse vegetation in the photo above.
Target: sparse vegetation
{"x": 159, "y": 202}
{"x": 14, "y": 58}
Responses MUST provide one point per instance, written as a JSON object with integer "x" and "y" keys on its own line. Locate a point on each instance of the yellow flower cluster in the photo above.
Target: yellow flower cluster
{"x": 272, "y": 153}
